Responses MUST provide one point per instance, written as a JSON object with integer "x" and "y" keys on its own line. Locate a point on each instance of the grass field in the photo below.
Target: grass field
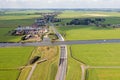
{"x": 103, "y": 74}
{"x": 6, "y": 37}
{"x": 89, "y": 32}
{"x": 17, "y": 17}
{"x": 26, "y": 11}
{"x": 74, "y": 69}
{"x": 81, "y": 14}
{"x": 14, "y": 57}
{"x": 97, "y": 54}
{"x": 15, "y": 20}
{"x": 47, "y": 70}
{"x": 15, "y": 23}
{"x": 9, "y": 74}
{"x": 11, "y": 59}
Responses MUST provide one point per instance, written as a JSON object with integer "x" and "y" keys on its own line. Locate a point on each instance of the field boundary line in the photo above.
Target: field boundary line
{"x": 82, "y": 65}
{"x": 102, "y": 67}
{"x": 81, "y": 62}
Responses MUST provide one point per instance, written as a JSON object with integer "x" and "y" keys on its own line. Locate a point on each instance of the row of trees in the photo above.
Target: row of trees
{"x": 86, "y": 21}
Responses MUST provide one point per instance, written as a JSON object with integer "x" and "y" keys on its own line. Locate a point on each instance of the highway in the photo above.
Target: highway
{"x": 61, "y": 73}
{"x": 48, "y": 43}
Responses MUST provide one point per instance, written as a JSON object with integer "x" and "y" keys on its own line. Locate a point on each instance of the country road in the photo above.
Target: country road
{"x": 33, "y": 68}
{"x": 71, "y": 42}
{"x": 31, "y": 72}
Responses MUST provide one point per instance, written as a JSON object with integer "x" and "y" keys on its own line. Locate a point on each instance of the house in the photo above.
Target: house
{"x": 26, "y": 30}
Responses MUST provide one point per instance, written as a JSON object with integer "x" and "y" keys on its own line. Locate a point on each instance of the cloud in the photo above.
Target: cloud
{"x": 60, "y": 3}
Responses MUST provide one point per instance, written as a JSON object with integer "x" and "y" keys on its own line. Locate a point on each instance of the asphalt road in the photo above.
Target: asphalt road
{"x": 62, "y": 63}
{"x": 63, "y": 56}
{"x": 73, "y": 42}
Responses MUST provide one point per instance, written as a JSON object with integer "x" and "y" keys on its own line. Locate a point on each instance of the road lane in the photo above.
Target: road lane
{"x": 73, "y": 42}
{"x": 63, "y": 57}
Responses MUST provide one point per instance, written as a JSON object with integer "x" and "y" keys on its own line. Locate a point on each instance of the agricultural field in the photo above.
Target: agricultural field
{"x": 47, "y": 70}
{"x": 102, "y": 60}
{"x": 11, "y": 60}
{"x": 88, "y": 32}
{"x": 97, "y": 54}
{"x": 103, "y": 74}
{"x": 9, "y": 74}
{"x": 6, "y": 37}
{"x": 73, "y": 74}
{"x": 81, "y": 14}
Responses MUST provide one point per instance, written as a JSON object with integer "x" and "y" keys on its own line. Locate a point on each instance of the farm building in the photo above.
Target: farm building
{"x": 26, "y": 30}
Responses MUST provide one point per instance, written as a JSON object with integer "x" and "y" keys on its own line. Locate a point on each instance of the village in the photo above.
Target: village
{"x": 38, "y": 30}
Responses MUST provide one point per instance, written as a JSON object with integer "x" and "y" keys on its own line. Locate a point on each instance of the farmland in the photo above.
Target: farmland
{"x": 103, "y": 74}
{"x": 73, "y": 64}
{"x": 81, "y": 14}
{"x": 89, "y": 32}
{"x": 97, "y": 54}
{"x": 11, "y": 60}
{"x": 102, "y": 60}
{"x": 16, "y": 55}
{"x": 9, "y": 74}
{"x": 6, "y": 37}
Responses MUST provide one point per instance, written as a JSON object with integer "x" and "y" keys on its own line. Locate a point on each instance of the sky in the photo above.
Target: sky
{"x": 59, "y": 4}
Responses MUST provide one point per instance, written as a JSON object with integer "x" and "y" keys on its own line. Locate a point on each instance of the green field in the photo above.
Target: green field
{"x": 9, "y": 74}
{"x": 103, "y": 74}
{"x": 14, "y": 23}
{"x": 47, "y": 70}
{"x": 18, "y": 12}
{"x": 97, "y": 54}
{"x": 74, "y": 68}
{"x": 11, "y": 59}
{"x": 81, "y": 14}
{"x": 6, "y": 37}
{"x": 17, "y": 17}
{"x": 89, "y": 32}
{"x": 14, "y": 57}
{"x": 82, "y": 32}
